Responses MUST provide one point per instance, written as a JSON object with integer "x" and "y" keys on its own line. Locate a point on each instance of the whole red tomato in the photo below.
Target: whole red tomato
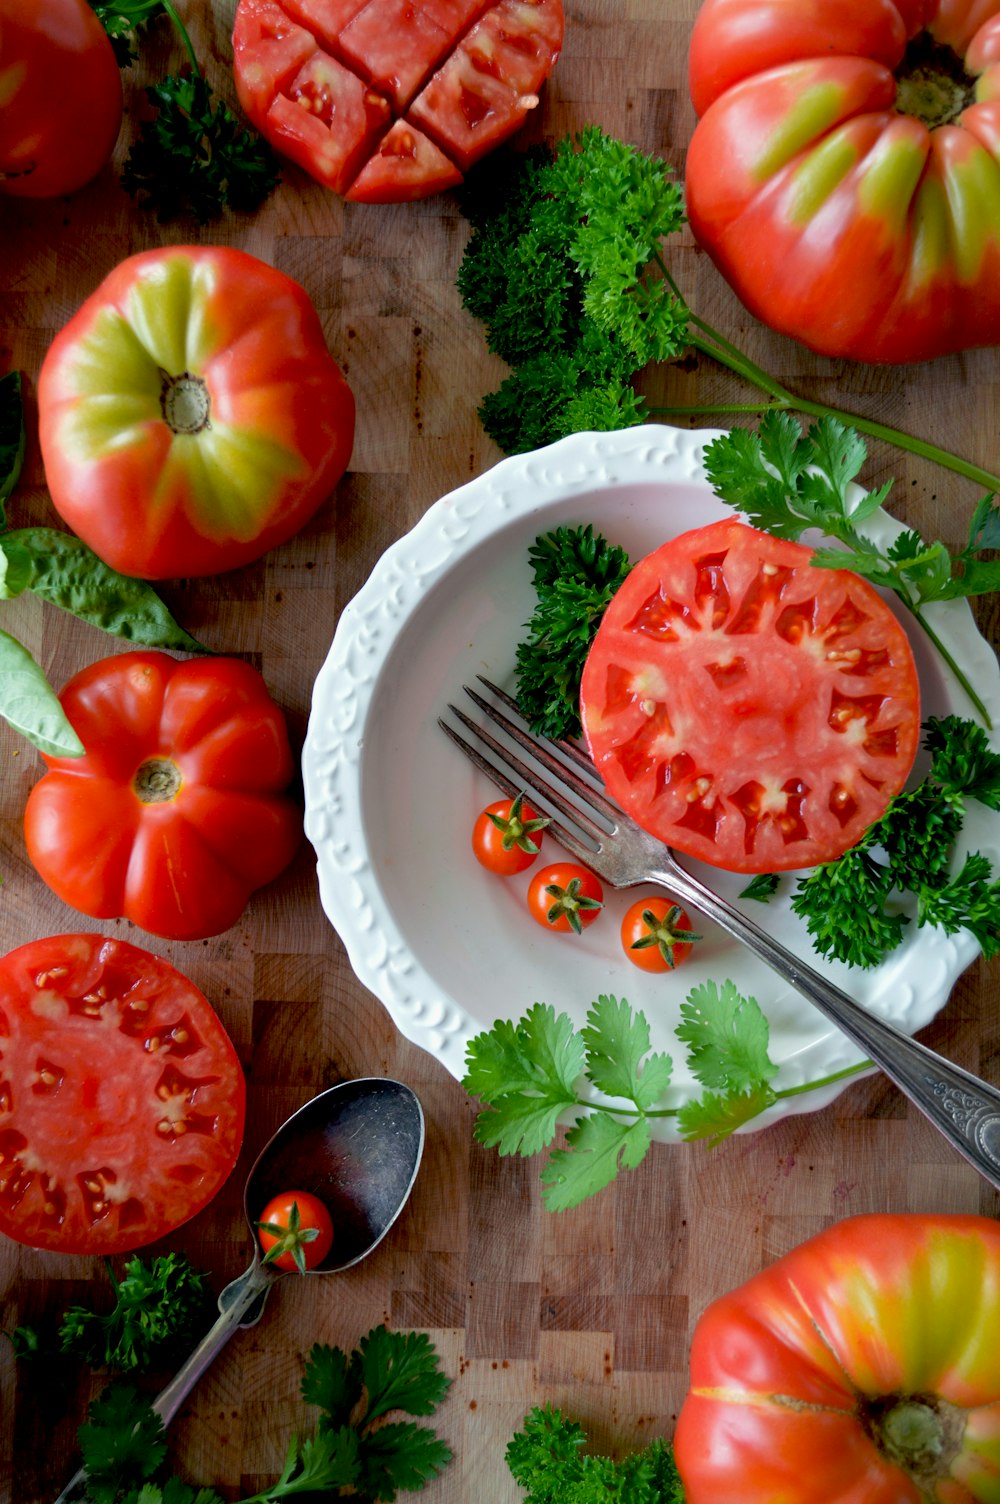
{"x": 656, "y": 934}
{"x": 843, "y": 174}
{"x": 565, "y": 897}
{"x": 861, "y": 1368}
{"x": 295, "y": 1231}
{"x": 392, "y": 101}
{"x": 507, "y": 836}
{"x": 60, "y": 97}
{"x": 178, "y": 810}
{"x": 191, "y": 416}
{"x": 121, "y": 1097}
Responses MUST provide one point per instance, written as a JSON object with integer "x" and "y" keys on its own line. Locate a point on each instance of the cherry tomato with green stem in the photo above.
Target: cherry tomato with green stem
{"x": 295, "y": 1231}
{"x": 506, "y": 837}
{"x": 657, "y": 934}
{"x": 565, "y": 896}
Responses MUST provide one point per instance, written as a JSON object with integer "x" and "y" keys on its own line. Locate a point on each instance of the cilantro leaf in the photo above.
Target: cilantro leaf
{"x": 122, "y": 1442}
{"x": 596, "y": 1147}
{"x": 618, "y": 1058}
{"x": 714, "y": 1117}
{"x": 400, "y": 1455}
{"x": 400, "y": 1372}
{"x": 527, "y": 1074}
{"x": 727, "y": 1036}
{"x": 331, "y": 1382}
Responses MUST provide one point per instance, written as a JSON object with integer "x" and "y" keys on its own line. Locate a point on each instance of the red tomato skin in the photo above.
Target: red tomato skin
{"x": 414, "y": 93}
{"x": 786, "y": 1370}
{"x": 487, "y": 841}
{"x": 312, "y": 1213}
{"x": 280, "y": 414}
{"x": 842, "y": 260}
{"x": 183, "y": 867}
{"x": 726, "y": 711}
{"x": 103, "y": 1047}
{"x": 60, "y": 123}
{"x": 560, "y": 875}
{"x": 633, "y": 928}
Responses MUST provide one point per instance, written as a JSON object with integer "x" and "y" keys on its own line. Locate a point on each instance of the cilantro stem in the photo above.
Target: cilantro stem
{"x": 780, "y": 1094}
{"x": 842, "y": 1075}
{"x": 949, "y": 659}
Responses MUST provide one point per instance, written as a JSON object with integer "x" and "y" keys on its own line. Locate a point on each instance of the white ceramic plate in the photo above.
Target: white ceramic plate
{"x": 390, "y": 802}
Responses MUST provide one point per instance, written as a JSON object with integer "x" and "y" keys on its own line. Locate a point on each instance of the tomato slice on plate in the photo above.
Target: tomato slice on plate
{"x": 122, "y": 1100}
{"x": 746, "y": 707}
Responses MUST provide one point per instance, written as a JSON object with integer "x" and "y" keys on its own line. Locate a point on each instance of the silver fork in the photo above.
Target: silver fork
{"x": 964, "y": 1108}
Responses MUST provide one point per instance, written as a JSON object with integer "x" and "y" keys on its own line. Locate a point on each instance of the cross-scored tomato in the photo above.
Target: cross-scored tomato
{"x": 861, "y": 1368}
{"x": 60, "y": 97}
{"x": 191, "y": 416}
{"x": 179, "y": 808}
{"x": 121, "y": 1097}
{"x": 388, "y": 100}
{"x": 843, "y": 175}
{"x": 746, "y": 707}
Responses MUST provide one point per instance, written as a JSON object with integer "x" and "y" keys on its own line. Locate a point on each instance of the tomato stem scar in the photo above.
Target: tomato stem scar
{"x": 157, "y": 781}
{"x": 184, "y": 402}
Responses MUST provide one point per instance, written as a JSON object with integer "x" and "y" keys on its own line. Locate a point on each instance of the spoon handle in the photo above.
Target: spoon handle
{"x": 236, "y": 1302}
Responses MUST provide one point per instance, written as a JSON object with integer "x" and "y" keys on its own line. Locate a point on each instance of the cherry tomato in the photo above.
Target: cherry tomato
{"x": 60, "y": 97}
{"x": 652, "y": 932}
{"x": 507, "y": 836}
{"x": 295, "y": 1231}
{"x": 747, "y": 707}
{"x": 389, "y": 101}
{"x": 122, "y": 1099}
{"x": 565, "y": 896}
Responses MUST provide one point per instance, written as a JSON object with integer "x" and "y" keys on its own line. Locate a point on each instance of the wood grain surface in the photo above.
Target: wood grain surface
{"x": 591, "y": 1310}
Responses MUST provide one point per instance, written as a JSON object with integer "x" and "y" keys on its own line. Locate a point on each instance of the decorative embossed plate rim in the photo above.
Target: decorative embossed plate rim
{"x": 390, "y": 804}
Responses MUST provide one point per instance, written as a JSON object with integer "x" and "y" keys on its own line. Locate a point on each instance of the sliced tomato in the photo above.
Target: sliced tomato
{"x": 406, "y": 166}
{"x": 122, "y": 1100}
{"x": 349, "y": 91}
{"x": 747, "y": 707}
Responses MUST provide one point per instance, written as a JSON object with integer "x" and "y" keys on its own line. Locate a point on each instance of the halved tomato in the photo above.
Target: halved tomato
{"x": 391, "y": 100}
{"x": 747, "y": 707}
{"x": 122, "y": 1100}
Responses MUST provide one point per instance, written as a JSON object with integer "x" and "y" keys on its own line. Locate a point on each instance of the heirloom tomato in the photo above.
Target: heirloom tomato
{"x": 60, "y": 97}
{"x": 190, "y": 414}
{"x": 121, "y": 1097}
{"x": 178, "y": 809}
{"x": 295, "y": 1231}
{"x": 746, "y": 707}
{"x": 861, "y": 1368}
{"x": 388, "y": 100}
{"x": 844, "y": 173}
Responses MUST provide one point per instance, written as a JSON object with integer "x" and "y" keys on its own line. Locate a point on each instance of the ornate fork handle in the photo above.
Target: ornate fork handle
{"x": 963, "y": 1108}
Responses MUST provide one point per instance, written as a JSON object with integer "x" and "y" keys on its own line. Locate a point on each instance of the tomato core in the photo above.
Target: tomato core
{"x": 157, "y": 781}
{"x": 184, "y": 402}
{"x": 921, "y": 1434}
{"x": 932, "y": 84}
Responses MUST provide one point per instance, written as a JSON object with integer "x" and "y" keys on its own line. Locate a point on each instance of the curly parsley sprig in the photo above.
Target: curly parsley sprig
{"x": 547, "y": 1458}
{"x": 565, "y": 268}
{"x": 193, "y": 156}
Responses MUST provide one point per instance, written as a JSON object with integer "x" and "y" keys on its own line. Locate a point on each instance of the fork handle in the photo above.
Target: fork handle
{"x": 965, "y": 1109}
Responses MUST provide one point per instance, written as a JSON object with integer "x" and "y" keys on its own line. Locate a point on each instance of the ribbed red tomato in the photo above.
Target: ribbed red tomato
{"x": 122, "y": 1099}
{"x": 746, "y": 707}
{"x": 388, "y": 100}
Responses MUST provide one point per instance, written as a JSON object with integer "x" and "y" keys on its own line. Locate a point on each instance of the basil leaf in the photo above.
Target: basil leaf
{"x": 30, "y": 704}
{"x": 69, "y": 574}
{"x": 11, "y": 437}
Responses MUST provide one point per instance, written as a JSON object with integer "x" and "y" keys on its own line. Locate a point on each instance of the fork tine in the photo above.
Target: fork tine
{"x": 529, "y": 784}
{"x": 580, "y": 758}
{"x": 596, "y": 802}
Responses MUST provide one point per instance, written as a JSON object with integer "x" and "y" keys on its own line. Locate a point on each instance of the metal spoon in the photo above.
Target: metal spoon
{"x": 358, "y": 1148}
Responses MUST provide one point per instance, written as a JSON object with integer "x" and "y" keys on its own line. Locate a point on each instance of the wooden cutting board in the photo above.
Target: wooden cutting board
{"x": 590, "y": 1310}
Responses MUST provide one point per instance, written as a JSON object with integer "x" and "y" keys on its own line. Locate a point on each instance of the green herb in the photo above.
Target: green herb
{"x": 354, "y": 1452}
{"x": 574, "y": 574}
{"x": 565, "y": 269}
{"x": 785, "y": 483}
{"x": 547, "y": 1458}
{"x": 61, "y": 569}
{"x": 851, "y": 907}
{"x": 193, "y": 156}
{"x": 161, "y": 1308}
{"x": 761, "y": 888}
{"x": 528, "y": 1075}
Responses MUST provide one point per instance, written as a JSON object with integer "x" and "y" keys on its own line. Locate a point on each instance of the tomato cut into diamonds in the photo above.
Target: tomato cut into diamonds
{"x": 749, "y": 708}
{"x": 122, "y": 1100}
{"x": 389, "y": 100}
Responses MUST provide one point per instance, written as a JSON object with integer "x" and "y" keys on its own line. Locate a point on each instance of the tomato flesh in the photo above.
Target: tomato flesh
{"x": 122, "y": 1100}
{"x": 746, "y": 707}
{"x": 392, "y": 100}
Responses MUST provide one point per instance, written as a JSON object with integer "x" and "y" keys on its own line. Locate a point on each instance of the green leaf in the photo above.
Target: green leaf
{"x": 331, "y": 1382}
{"x": 596, "y": 1147}
{"x": 542, "y": 1053}
{"x": 727, "y": 1037}
{"x": 161, "y": 1310}
{"x": 30, "y": 705}
{"x": 761, "y": 888}
{"x": 123, "y": 1443}
{"x": 400, "y": 1455}
{"x": 15, "y": 569}
{"x": 714, "y": 1117}
{"x": 68, "y": 574}
{"x": 618, "y": 1059}
{"x": 400, "y": 1371}
{"x": 521, "y": 1123}
{"x": 962, "y": 760}
{"x": 12, "y": 437}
